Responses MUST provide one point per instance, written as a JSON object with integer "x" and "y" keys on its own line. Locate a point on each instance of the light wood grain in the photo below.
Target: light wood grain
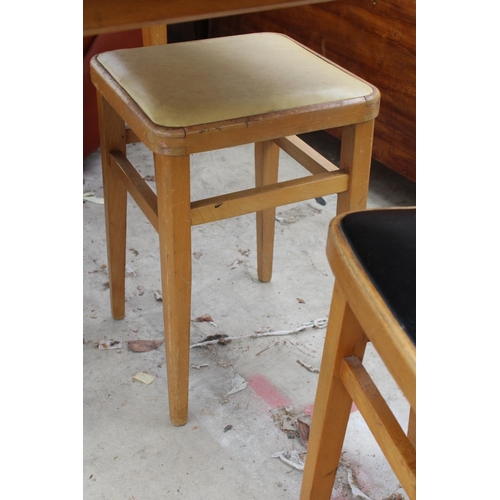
{"x": 255, "y": 199}
{"x": 344, "y": 337}
{"x": 355, "y": 158}
{"x": 394, "y": 443}
{"x": 174, "y": 228}
{"x": 384, "y": 331}
{"x": 308, "y": 157}
{"x": 142, "y": 194}
{"x": 154, "y": 35}
{"x": 106, "y": 16}
{"x": 112, "y": 138}
{"x": 358, "y": 314}
{"x": 171, "y": 212}
{"x": 267, "y": 156}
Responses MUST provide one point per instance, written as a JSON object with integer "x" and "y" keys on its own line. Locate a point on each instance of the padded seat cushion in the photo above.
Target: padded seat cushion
{"x": 384, "y": 241}
{"x": 204, "y": 81}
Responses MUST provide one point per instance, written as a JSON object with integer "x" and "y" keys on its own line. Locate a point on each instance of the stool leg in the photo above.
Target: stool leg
{"x": 174, "y": 228}
{"x": 112, "y": 138}
{"x": 344, "y": 337}
{"x": 266, "y": 172}
{"x": 355, "y": 158}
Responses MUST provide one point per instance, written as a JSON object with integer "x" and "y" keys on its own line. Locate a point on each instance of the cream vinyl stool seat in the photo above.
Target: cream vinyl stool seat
{"x": 373, "y": 257}
{"x": 210, "y": 94}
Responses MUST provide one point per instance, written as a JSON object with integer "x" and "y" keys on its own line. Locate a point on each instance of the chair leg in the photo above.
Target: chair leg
{"x": 266, "y": 172}
{"x": 112, "y": 137}
{"x": 412, "y": 428}
{"x": 355, "y": 158}
{"x": 174, "y": 228}
{"x": 344, "y": 337}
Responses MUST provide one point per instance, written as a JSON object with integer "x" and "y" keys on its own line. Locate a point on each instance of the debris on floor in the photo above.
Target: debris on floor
{"x": 199, "y": 367}
{"x": 266, "y": 348}
{"x": 357, "y": 494}
{"x": 143, "y": 377}
{"x": 292, "y": 458}
{"x": 308, "y": 367}
{"x": 131, "y": 448}
{"x": 287, "y": 419}
{"x": 90, "y": 196}
{"x": 144, "y": 345}
{"x": 206, "y": 318}
{"x": 109, "y": 344}
{"x": 221, "y": 339}
{"x": 235, "y": 264}
{"x": 304, "y": 427}
{"x": 317, "y": 323}
{"x": 129, "y": 271}
{"x": 238, "y": 384}
{"x": 224, "y": 339}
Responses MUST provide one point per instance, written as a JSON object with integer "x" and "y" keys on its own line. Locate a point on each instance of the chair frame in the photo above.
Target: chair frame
{"x": 358, "y": 314}
{"x": 172, "y": 213}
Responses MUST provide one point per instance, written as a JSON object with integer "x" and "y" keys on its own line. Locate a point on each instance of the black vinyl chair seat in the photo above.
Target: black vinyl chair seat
{"x": 384, "y": 241}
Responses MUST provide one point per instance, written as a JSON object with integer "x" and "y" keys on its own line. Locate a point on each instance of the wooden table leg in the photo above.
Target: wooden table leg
{"x": 154, "y": 35}
{"x": 266, "y": 172}
{"x": 355, "y": 158}
{"x": 174, "y": 228}
{"x": 112, "y": 136}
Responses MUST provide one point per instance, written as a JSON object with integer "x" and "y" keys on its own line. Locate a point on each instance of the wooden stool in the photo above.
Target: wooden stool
{"x": 372, "y": 254}
{"x": 203, "y": 95}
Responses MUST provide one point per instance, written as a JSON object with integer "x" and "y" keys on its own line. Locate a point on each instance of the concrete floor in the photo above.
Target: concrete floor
{"x": 131, "y": 450}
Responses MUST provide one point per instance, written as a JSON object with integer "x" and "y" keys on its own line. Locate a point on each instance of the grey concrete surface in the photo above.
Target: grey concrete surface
{"x": 131, "y": 450}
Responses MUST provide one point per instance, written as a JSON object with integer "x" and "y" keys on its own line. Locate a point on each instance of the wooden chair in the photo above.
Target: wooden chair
{"x": 372, "y": 255}
{"x": 196, "y": 96}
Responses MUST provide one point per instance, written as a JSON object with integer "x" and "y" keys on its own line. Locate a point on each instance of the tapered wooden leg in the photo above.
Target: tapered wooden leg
{"x": 355, "y": 158}
{"x": 174, "y": 228}
{"x": 344, "y": 337}
{"x": 112, "y": 137}
{"x": 266, "y": 172}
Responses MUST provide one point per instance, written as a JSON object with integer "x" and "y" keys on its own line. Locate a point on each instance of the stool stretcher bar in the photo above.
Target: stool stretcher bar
{"x": 326, "y": 179}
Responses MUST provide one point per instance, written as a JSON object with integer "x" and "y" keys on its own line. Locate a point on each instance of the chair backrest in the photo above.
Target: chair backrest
{"x": 376, "y": 272}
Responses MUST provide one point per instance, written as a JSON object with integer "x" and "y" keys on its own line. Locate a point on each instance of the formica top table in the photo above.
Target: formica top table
{"x": 106, "y": 16}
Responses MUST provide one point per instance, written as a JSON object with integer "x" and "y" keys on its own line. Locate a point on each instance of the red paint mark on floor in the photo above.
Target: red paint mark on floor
{"x": 264, "y": 389}
{"x": 309, "y": 409}
{"x": 274, "y": 398}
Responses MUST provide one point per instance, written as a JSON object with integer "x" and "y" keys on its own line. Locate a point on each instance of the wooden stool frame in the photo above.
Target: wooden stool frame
{"x": 358, "y": 315}
{"x": 172, "y": 214}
